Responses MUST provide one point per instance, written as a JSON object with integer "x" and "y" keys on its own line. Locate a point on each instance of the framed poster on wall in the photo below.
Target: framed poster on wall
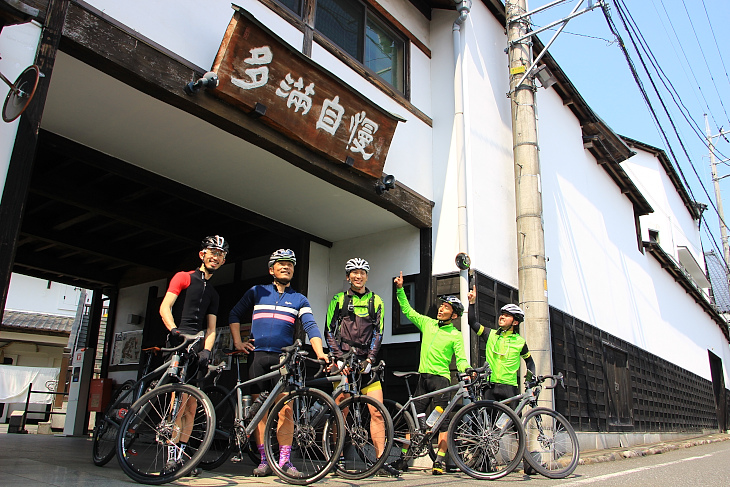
{"x": 401, "y": 324}
{"x": 127, "y": 347}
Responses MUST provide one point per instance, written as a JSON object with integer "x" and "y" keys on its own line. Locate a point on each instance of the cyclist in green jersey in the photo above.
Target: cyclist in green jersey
{"x": 505, "y": 346}
{"x": 440, "y": 342}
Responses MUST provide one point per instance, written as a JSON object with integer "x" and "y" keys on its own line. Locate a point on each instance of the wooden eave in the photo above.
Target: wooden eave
{"x": 689, "y": 203}
{"x": 116, "y": 50}
{"x": 668, "y": 264}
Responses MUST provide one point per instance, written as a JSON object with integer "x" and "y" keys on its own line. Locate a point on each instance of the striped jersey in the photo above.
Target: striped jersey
{"x": 273, "y": 316}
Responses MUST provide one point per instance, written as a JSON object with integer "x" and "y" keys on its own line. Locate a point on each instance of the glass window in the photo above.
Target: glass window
{"x": 363, "y": 36}
{"x": 341, "y": 21}
{"x": 293, "y": 5}
{"x": 384, "y": 53}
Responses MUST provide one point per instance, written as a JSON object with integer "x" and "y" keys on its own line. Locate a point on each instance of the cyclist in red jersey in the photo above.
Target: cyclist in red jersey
{"x": 189, "y": 306}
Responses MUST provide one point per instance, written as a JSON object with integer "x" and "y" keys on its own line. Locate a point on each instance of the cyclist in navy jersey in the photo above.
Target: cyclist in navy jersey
{"x": 190, "y": 305}
{"x": 274, "y": 309}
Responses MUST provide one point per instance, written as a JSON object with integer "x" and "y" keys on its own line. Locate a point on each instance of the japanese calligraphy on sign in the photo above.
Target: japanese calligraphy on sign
{"x": 303, "y": 101}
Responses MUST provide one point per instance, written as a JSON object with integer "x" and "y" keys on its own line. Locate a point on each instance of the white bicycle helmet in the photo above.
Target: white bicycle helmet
{"x": 515, "y": 311}
{"x": 356, "y": 263}
{"x": 283, "y": 254}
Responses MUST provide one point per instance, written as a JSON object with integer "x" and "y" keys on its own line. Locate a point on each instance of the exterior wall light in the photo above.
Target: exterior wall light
{"x": 385, "y": 184}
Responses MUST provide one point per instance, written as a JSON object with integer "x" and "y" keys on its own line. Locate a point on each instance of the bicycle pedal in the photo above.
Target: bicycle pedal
{"x": 236, "y": 459}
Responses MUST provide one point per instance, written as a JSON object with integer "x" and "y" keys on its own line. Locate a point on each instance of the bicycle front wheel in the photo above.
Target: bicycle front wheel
{"x": 486, "y": 440}
{"x": 104, "y": 440}
{"x": 552, "y": 445}
{"x": 224, "y": 436}
{"x": 165, "y": 434}
{"x": 369, "y": 431}
{"x": 308, "y": 422}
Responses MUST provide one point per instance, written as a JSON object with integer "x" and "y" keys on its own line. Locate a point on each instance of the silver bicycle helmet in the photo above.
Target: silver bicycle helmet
{"x": 515, "y": 311}
{"x": 283, "y": 254}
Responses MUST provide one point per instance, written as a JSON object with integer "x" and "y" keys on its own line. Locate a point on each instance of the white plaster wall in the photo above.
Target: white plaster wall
{"x": 596, "y": 271}
{"x": 189, "y": 28}
{"x": 388, "y": 253}
{"x": 410, "y": 17}
{"x": 34, "y": 295}
{"x": 671, "y": 218}
{"x": 18, "y": 46}
{"x": 490, "y": 173}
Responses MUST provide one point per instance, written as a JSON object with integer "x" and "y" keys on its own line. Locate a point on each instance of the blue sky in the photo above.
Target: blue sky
{"x": 690, "y": 41}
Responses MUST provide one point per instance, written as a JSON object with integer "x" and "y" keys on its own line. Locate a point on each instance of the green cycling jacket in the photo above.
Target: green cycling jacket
{"x": 438, "y": 344}
{"x": 503, "y": 354}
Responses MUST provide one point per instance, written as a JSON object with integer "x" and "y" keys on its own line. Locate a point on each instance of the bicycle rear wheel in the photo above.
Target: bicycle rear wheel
{"x": 365, "y": 437}
{"x": 149, "y": 445}
{"x": 486, "y": 440}
{"x": 104, "y": 440}
{"x": 224, "y": 438}
{"x": 309, "y": 421}
{"x": 552, "y": 445}
{"x": 404, "y": 428}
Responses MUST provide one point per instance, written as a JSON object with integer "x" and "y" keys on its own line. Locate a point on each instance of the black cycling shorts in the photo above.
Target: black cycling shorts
{"x": 500, "y": 392}
{"x": 261, "y": 365}
{"x": 430, "y": 383}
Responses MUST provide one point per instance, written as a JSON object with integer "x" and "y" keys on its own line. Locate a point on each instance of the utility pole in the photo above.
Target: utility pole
{"x": 718, "y": 197}
{"x": 531, "y": 270}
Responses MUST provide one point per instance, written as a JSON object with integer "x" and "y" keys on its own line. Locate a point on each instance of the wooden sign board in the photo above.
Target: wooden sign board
{"x": 259, "y": 72}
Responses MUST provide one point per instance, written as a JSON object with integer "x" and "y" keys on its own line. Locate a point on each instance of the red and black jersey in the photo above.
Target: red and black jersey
{"x": 196, "y": 299}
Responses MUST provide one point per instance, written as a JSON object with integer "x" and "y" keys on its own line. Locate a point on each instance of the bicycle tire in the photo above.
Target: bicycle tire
{"x": 104, "y": 439}
{"x": 314, "y": 419}
{"x": 224, "y": 438}
{"x": 359, "y": 453}
{"x": 552, "y": 446}
{"x": 404, "y": 428}
{"x": 479, "y": 447}
{"x": 150, "y": 427}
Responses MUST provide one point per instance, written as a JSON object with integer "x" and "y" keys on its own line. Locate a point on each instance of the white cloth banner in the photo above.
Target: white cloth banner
{"x": 14, "y": 382}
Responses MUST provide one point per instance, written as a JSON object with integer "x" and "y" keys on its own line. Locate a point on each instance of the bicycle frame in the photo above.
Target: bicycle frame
{"x": 461, "y": 392}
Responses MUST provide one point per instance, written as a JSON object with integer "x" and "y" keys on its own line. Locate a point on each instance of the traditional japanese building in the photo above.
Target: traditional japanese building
{"x": 328, "y": 127}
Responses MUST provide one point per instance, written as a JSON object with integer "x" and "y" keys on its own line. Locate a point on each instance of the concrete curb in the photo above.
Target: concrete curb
{"x": 589, "y": 458}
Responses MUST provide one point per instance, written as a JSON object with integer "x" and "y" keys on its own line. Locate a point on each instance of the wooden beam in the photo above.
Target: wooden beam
{"x": 20, "y": 167}
{"x": 121, "y": 54}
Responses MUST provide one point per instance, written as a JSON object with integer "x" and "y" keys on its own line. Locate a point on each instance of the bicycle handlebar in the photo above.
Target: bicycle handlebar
{"x": 186, "y": 339}
{"x": 287, "y": 351}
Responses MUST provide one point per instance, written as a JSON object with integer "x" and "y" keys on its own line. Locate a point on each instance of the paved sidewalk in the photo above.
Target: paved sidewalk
{"x": 611, "y": 454}
{"x": 59, "y": 461}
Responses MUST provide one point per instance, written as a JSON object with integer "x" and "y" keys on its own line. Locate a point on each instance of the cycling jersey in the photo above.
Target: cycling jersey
{"x": 273, "y": 316}
{"x": 356, "y": 328}
{"x": 438, "y": 344}
{"x": 504, "y": 349}
{"x": 196, "y": 299}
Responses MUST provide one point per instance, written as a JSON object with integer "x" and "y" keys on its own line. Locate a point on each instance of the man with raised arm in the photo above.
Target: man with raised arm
{"x": 440, "y": 342}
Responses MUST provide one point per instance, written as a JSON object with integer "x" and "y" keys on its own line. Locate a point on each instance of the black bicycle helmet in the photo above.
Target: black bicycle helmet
{"x": 515, "y": 311}
{"x": 455, "y": 303}
{"x": 214, "y": 242}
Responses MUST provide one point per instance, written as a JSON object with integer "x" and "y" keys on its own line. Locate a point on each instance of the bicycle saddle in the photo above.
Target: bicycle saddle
{"x": 405, "y": 375}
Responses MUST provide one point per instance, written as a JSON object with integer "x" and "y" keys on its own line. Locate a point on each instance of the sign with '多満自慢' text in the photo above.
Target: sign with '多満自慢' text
{"x": 258, "y": 71}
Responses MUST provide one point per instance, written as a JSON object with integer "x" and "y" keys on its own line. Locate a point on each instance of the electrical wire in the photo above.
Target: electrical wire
{"x": 634, "y": 72}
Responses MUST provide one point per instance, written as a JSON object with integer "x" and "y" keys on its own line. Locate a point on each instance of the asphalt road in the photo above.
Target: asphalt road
{"x": 37, "y": 460}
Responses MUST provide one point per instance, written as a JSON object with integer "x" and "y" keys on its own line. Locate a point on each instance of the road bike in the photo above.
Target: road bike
{"x": 478, "y": 445}
{"x": 166, "y": 431}
{"x": 552, "y": 446}
{"x": 304, "y": 417}
{"x": 368, "y": 425}
{"x": 104, "y": 438}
